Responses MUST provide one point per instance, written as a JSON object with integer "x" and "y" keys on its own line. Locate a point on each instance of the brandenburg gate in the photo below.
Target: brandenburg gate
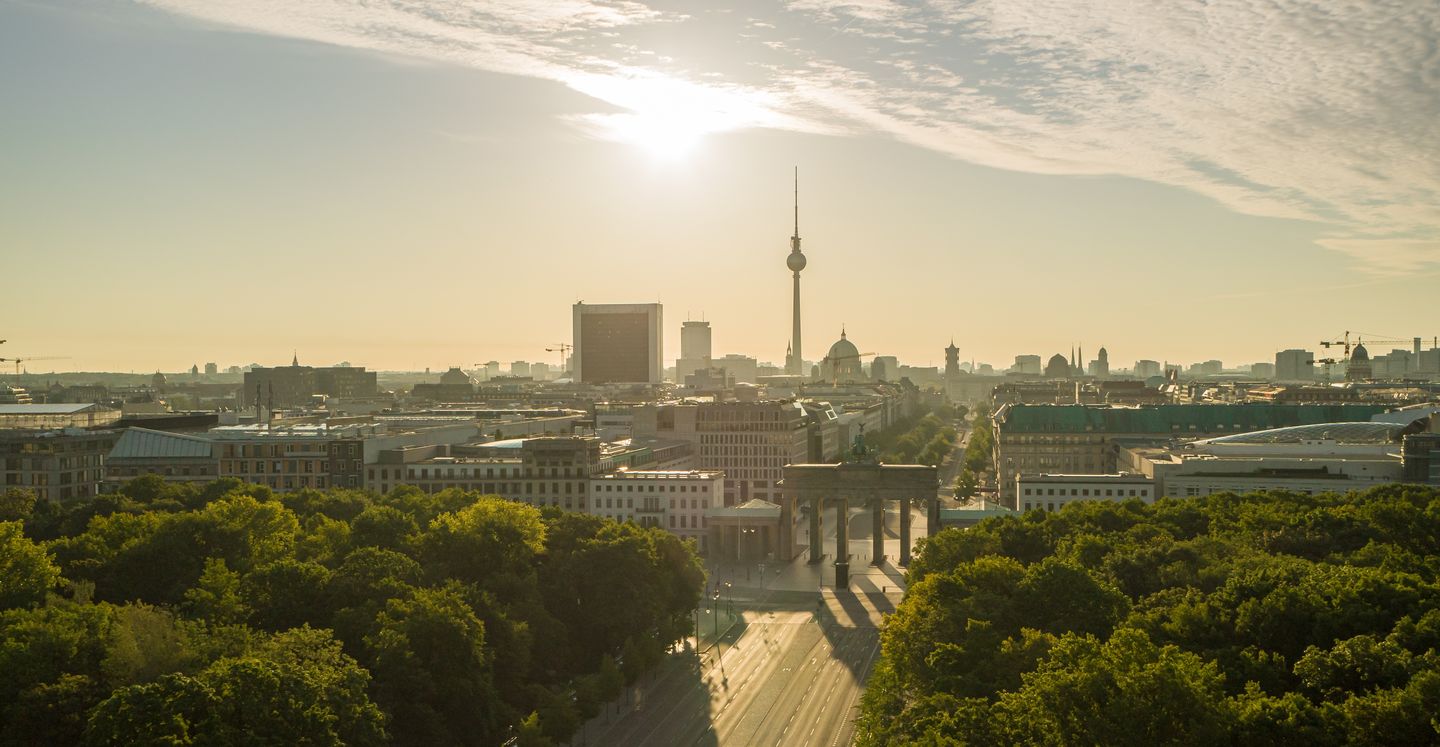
{"x": 849, "y": 484}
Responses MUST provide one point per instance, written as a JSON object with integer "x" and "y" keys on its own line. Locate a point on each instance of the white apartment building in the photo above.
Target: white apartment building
{"x": 675, "y": 500}
{"x": 1052, "y": 492}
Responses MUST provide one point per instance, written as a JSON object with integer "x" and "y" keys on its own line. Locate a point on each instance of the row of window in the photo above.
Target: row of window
{"x": 278, "y": 466}
{"x": 634, "y": 487}
{"x": 1085, "y": 492}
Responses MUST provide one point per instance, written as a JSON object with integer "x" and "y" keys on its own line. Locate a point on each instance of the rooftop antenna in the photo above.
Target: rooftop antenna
{"x": 795, "y": 240}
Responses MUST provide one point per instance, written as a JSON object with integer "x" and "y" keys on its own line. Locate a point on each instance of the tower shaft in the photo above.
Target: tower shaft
{"x": 796, "y": 362}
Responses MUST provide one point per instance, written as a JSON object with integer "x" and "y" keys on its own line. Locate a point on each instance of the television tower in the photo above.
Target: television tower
{"x": 794, "y": 364}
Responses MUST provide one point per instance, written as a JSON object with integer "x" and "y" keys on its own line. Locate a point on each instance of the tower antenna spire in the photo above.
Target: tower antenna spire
{"x": 797, "y": 203}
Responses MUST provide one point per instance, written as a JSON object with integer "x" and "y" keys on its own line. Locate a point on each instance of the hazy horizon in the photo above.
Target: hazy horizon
{"x": 404, "y": 186}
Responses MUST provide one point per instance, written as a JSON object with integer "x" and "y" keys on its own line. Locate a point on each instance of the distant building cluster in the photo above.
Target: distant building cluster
{"x": 604, "y": 426}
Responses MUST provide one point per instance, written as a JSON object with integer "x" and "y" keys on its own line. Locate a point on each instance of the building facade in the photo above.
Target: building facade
{"x": 293, "y": 457}
{"x": 1083, "y": 439}
{"x": 59, "y": 465}
{"x": 675, "y": 500}
{"x": 50, "y": 416}
{"x": 618, "y": 343}
{"x": 751, "y": 442}
{"x": 1049, "y": 492}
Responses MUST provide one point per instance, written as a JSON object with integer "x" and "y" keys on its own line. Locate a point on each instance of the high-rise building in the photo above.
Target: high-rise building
{"x": 520, "y": 368}
{"x": 952, "y": 360}
{"x": 211, "y": 369}
{"x": 1027, "y": 364}
{"x": 1295, "y": 365}
{"x": 618, "y": 343}
{"x": 695, "y": 340}
{"x": 1144, "y": 369}
{"x": 694, "y": 349}
{"x": 795, "y": 357}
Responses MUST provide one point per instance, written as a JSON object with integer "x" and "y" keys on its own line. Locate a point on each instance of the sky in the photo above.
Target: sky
{"x": 405, "y": 184}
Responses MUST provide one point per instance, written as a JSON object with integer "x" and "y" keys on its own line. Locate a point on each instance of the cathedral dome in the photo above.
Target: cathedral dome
{"x": 843, "y": 350}
{"x": 1359, "y": 353}
{"x": 843, "y": 361}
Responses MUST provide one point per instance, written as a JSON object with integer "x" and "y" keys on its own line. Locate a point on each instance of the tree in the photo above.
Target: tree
{"x": 382, "y": 526}
{"x": 26, "y": 571}
{"x": 432, "y": 671}
{"x": 491, "y": 543}
{"x": 967, "y": 484}
{"x": 286, "y": 594}
{"x": 216, "y": 596}
{"x": 297, "y": 689}
{"x": 1126, "y": 691}
{"x": 17, "y": 504}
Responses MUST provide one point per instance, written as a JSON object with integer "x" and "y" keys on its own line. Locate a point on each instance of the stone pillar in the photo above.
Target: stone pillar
{"x": 904, "y": 531}
{"x": 817, "y": 550}
{"x": 877, "y": 531}
{"x": 842, "y": 544}
{"x": 932, "y": 515}
{"x": 786, "y": 540}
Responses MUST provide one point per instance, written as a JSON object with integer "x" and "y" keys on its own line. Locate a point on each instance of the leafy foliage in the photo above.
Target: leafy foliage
{"x": 1270, "y": 618}
{"x": 227, "y": 615}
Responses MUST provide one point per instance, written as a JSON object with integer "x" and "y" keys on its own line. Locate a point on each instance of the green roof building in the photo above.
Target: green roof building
{"x": 1081, "y": 439}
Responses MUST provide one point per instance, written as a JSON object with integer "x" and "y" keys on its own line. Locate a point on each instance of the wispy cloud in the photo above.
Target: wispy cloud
{"x": 1322, "y": 111}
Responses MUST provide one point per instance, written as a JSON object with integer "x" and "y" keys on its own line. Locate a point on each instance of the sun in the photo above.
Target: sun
{"x": 665, "y": 135}
{"x": 669, "y": 117}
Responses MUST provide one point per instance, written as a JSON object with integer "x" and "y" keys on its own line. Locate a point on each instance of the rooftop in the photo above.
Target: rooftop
{"x": 663, "y": 474}
{"x": 1201, "y": 418}
{"x": 1345, "y": 433}
{"x": 143, "y": 443}
{"x": 1052, "y": 477}
{"x": 50, "y": 409}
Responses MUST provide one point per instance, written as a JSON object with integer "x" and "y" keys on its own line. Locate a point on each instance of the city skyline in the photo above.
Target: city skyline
{"x": 268, "y": 175}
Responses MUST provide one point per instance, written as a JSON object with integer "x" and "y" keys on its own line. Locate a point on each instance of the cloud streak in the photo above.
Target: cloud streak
{"x": 1320, "y": 110}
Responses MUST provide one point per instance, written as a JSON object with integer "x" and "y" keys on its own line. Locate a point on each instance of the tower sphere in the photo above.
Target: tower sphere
{"x": 796, "y": 261}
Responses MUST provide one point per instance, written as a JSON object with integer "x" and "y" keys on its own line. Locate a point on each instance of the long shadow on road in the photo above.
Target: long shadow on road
{"x": 669, "y": 706}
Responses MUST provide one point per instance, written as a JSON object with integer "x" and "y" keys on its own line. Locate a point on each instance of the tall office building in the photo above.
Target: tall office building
{"x": 695, "y": 340}
{"x": 1295, "y": 365}
{"x": 618, "y": 343}
{"x": 694, "y": 349}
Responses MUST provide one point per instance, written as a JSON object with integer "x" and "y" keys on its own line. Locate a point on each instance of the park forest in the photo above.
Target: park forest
{"x": 225, "y": 614}
{"x": 1273, "y": 618}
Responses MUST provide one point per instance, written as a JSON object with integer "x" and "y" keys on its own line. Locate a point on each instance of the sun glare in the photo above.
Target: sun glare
{"x": 666, "y": 135}
{"x": 666, "y": 116}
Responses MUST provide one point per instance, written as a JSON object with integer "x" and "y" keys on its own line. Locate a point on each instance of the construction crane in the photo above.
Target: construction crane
{"x": 1345, "y": 344}
{"x": 835, "y": 367}
{"x": 563, "y": 348}
{"x": 18, "y": 361}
